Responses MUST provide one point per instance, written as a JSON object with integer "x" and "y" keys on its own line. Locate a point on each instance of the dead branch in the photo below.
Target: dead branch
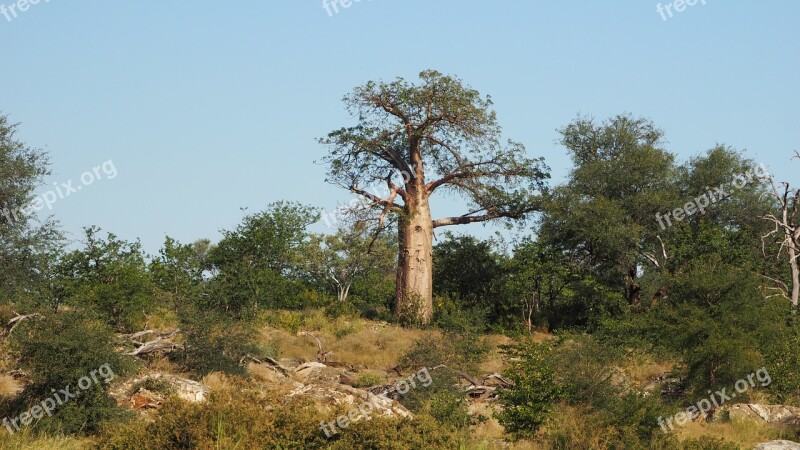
{"x": 270, "y": 362}
{"x": 9, "y": 327}
{"x": 321, "y": 355}
{"x": 154, "y": 346}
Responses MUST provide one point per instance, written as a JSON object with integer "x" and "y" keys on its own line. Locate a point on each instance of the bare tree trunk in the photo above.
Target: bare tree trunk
{"x": 527, "y": 313}
{"x": 414, "y": 290}
{"x": 795, "y": 275}
{"x": 343, "y": 291}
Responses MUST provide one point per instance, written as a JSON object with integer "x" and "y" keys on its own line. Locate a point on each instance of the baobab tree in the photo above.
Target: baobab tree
{"x": 413, "y": 140}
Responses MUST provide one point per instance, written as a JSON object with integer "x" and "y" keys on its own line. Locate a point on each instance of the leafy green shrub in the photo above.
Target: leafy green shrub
{"x": 530, "y": 401}
{"x": 454, "y": 316}
{"x": 341, "y": 309}
{"x": 58, "y": 351}
{"x": 258, "y": 265}
{"x": 458, "y": 351}
{"x": 108, "y": 276}
{"x": 783, "y": 364}
{"x": 215, "y": 343}
{"x": 443, "y": 400}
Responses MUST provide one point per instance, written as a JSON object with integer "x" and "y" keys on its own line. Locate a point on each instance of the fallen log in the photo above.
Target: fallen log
{"x": 157, "y": 345}
{"x": 270, "y": 362}
{"x": 160, "y": 344}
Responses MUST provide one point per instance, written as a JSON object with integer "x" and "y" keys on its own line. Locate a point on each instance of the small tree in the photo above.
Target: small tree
{"x": 60, "y": 349}
{"x": 342, "y": 259}
{"x": 108, "y": 276}
{"x": 179, "y": 268}
{"x": 468, "y": 268}
{"x": 258, "y": 263}
{"x": 604, "y": 215}
{"x": 529, "y": 402}
{"x": 416, "y": 140}
{"x": 28, "y": 246}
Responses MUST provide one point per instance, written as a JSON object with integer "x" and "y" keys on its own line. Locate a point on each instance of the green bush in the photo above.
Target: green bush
{"x": 444, "y": 400}
{"x": 458, "y": 351}
{"x": 108, "y": 276}
{"x": 215, "y": 343}
{"x": 530, "y": 401}
{"x": 58, "y": 351}
{"x": 365, "y": 380}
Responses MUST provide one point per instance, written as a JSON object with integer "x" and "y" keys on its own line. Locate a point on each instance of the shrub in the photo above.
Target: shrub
{"x": 367, "y": 380}
{"x": 578, "y": 428}
{"x": 443, "y": 400}
{"x": 239, "y": 418}
{"x": 58, "y": 351}
{"x": 215, "y": 343}
{"x": 530, "y": 401}
{"x": 458, "y": 351}
{"x": 109, "y": 276}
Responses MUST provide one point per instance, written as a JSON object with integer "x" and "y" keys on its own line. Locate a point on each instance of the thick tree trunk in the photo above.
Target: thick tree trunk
{"x": 414, "y": 290}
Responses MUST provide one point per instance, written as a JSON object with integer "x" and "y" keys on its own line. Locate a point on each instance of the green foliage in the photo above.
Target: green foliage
{"x": 365, "y": 380}
{"x": 257, "y": 265}
{"x": 466, "y": 268}
{"x": 588, "y": 374}
{"x": 453, "y": 316}
{"x": 343, "y": 261}
{"x": 30, "y": 245}
{"x": 178, "y": 269}
{"x": 110, "y": 277}
{"x": 782, "y": 355}
{"x": 581, "y": 429}
{"x": 215, "y": 343}
{"x": 444, "y": 399}
{"x": 495, "y": 175}
{"x": 457, "y": 350}
{"x": 529, "y": 403}
{"x": 604, "y": 216}
{"x": 60, "y": 349}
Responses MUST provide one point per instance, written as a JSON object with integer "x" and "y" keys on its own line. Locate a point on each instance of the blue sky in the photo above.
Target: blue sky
{"x": 206, "y": 107}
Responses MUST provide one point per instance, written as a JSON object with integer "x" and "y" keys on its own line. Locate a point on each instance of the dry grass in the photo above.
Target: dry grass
{"x": 217, "y": 381}
{"x": 162, "y": 364}
{"x": 490, "y": 435}
{"x": 9, "y": 387}
{"x": 353, "y": 341}
{"x": 642, "y": 369}
{"x": 746, "y": 433}
{"x": 495, "y": 362}
{"x": 24, "y": 440}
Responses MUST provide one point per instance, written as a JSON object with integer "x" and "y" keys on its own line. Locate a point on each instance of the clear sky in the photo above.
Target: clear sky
{"x": 207, "y": 107}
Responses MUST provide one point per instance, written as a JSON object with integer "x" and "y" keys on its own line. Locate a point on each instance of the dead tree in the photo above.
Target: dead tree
{"x": 787, "y": 235}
